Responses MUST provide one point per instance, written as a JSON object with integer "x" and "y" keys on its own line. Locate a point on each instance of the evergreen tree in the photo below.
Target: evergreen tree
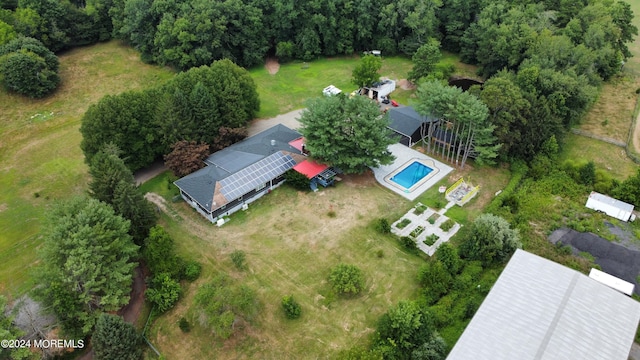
{"x": 114, "y": 338}
{"x": 107, "y": 170}
{"x": 129, "y": 203}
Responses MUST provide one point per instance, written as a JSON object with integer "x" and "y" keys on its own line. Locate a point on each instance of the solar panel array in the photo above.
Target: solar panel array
{"x": 255, "y": 175}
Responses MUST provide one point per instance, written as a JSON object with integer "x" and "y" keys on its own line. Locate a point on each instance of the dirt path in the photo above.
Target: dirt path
{"x": 289, "y": 119}
{"x": 636, "y": 136}
{"x": 272, "y": 65}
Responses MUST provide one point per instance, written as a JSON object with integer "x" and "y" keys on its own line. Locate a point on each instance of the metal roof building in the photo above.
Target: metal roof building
{"x": 542, "y": 310}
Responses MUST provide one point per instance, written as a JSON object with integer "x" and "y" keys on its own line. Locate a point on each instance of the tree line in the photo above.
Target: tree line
{"x": 209, "y": 104}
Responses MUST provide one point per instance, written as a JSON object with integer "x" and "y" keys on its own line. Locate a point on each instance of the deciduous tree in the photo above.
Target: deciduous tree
{"x": 490, "y": 240}
{"x": 186, "y": 157}
{"x": 366, "y": 71}
{"x": 347, "y": 133}
{"x": 347, "y": 279}
{"x": 425, "y": 60}
{"x": 28, "y": 68}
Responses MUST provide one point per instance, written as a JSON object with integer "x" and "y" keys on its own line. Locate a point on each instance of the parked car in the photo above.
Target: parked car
{"x": 394, "y": 103}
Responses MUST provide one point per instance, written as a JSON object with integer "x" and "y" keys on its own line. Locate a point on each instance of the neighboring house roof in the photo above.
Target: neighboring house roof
{"x": 611, "y": 201}
{"x": 241, "y": 167}
{"x": 405, "y": 120}
{"x": 541, "y": 310}
{"x": 310, "y": 168}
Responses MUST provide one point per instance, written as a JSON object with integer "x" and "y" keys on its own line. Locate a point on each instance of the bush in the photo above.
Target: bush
{"x": 402, "y": 224}
{"x": 408, "y": 243}
{"x": 447, "y": 225}
{"x": 380, "y": 254}
{"x": 297, "y": 181}
{"x": 382, "y": 226}
{"x": 239, "y": 259}
{"x": 347, "y": 279}
{"x": 284, "y": 51}
{"x": 163, "y": 292}
{"x": 192, "y": 270}
{"x": 158, "y": 253}
{"x": 292, "y": 309}
{"x": 431, "y": 239}
{"x": 28, "y": 67}
{"x": 184, "y": 325}
{"x": 420, "y": 209}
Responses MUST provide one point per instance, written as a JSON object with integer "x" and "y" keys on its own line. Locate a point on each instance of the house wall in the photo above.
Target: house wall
{"x": 236, "y": 204}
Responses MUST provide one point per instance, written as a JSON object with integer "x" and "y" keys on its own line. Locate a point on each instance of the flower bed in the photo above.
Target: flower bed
{"x": 417, "y": 231}
{"x": 403, "y": 224}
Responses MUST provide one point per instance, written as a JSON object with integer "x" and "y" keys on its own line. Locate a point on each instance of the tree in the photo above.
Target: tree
{"x": 292, "y": 309}
{"x": 346, "y": 279}
{"x": 404, "y": 329}
{"x": 436, "y": 279}
{"x": 159, "y": 253}
{"x": 107, "y": 170}
{"x": 347, "y": 133}
{"x": 9, "y": 331}
{"x": 425, "y": 60}
{"x": 114, "y": 338}
{"x": 129, "y": 203}
{"x": 28, "y": 68}
{"x": 186, "y": 157}
{"x": 87, "y": 262}
{"x": 366, "y": 71}
{"x": 7, "y": 33}
{"x": 490, "y": 240}
{"x": 629, "y": 190}
{"x": 163, "y": 292}
{"x": 448, "y": 256}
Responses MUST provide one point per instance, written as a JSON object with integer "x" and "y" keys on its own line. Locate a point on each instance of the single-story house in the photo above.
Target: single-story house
{"x": 407, "y": 125}
{"x": 538, "y": 309}
{"x": 242, "y": 172}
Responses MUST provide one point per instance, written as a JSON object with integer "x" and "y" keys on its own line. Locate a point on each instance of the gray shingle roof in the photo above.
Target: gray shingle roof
{"x": 406, "y": 120}
{"x": 542, "y": 310}
{"x": 227, "y": 164}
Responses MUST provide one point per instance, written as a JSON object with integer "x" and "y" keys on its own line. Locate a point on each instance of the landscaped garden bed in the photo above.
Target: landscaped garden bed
{"x": 447, "y": 225}
{"x": 420, "y": 209}
{"x": 403, "y": 224}
{"x": 431, "y": 239}
{"x": 416, "y": 232}
{"x": 433, "y": 218}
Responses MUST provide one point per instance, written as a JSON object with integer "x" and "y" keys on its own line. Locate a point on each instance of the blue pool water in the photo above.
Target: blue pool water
{"x": 411, "y": 174}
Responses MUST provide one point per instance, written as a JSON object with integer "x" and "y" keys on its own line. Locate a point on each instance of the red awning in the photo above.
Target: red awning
{"x": 310, "y": 168}
{"x": 297, "y": 143}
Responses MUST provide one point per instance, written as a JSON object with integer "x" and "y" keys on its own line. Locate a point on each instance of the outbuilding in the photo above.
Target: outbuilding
{"x": 610, "y": 206}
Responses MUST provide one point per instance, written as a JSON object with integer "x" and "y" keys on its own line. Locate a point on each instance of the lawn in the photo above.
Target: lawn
{"x": 606, "y": 156}
{"x": 291, "y": 243}
{"x": 40, "y": 156}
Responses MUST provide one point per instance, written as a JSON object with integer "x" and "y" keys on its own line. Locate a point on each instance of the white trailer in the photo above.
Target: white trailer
{"x": 380, "y": 90}
{"x": 611, "y": 281}
{"x": 610, "y": 206}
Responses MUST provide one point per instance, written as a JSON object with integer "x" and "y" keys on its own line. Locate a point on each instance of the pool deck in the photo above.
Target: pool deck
{"x": 404, "y": 155}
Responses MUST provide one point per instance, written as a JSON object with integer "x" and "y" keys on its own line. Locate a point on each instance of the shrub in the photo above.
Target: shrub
{"x": 431, "y": 239}
{"x": 184, "y": 325}
{"x": 284, "y": 51}
{"x": 447, "y": 225}
{"x": 408, "y": 243}
{"x": 297, "y": 181}
{"x": 192, "y": 270}
{"x": 28, "y": 67}
{"x": 163, "y": 292}
{"x": 331, "y": 213}
{"x": 382, "y": 226}
{"x": 347, "y": 279}
{"x": 239, "y": 259}
{"x": 402, "y": 224}
{"x": 380, "y": 253}
{"x": 420, "y": 209}
{"x": 158, "y": 252}
{"x": 292, "y": 309}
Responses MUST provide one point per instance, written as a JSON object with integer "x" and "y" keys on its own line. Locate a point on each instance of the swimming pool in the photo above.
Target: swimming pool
{"x": 411, "y": 174}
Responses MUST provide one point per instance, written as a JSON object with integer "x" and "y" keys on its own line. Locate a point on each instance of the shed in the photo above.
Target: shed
{"x": 406, "y": 123}
{"x": 610, "y": 206}
{"x": 380, "y": 90}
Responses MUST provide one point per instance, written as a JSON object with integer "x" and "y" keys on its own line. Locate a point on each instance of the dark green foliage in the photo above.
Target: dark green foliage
{"x": 192, "y": 270}
{"x": 159, "y": 253}
{"x": 436, "y": 278}
{"x": 28, "y": 68}
{"x": 629, "y": 190}
{"x": 490, "y": 240}
{"x": 448, "y": 256}
{"x": 114, "y": 338}
{"x": 184, "y": 325}
{"x": 222, "y": 302}
{"x": 129, "y": 203}
{"x": 407, "y": 329}
{"x": 382, "y": 226}
{"x": 402, "y": 224}
{"x": 447, "y": 225}
{"x": 292, "y": 310}
{"x": 107, "y": 170}
{"x": 346, "y": 133}
{"x": 408, "y": 243}
{"x": 239, "y": 259}
{"x": 297, "y": 180}
{"x": 346, "y": 279}
{"x": 163, "y": 292}
{"x": 425, "y": 60}
{"x": 82, "y": 234}
{"x": 587, "y": 174}
{"x": 284, "y": 51}
{"x": 9, "y": 331}
{"x": 366, "y": 71}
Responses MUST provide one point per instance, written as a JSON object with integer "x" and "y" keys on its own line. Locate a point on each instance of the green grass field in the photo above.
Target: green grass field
{"x": 40, "y": 156}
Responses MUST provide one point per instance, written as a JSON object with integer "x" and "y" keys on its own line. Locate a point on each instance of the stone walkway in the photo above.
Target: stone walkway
{"x": 429, "y": 229}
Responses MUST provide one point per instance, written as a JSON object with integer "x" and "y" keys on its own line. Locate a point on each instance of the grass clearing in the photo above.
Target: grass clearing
{"x": 606, "y": 156}
{"x": 290, "y": 247}
{"x": 40, "y": 156}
